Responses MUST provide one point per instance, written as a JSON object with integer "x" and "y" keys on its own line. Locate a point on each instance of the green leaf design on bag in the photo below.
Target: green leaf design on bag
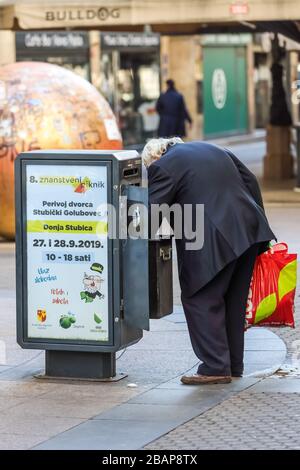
{"x": 287, "y": 279}
{"x": 266, "y": 307}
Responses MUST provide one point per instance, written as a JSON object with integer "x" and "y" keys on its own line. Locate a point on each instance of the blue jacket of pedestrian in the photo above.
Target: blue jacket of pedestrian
{"x": 173, "y": 114}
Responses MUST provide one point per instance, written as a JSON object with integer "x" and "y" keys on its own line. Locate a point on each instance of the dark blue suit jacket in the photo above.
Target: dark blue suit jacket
{"x": 173, "y": 114}
{"x": 234, "y": 218}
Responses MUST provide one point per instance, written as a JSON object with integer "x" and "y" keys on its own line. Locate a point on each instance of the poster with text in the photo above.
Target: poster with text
{"x": 67, "y": 252}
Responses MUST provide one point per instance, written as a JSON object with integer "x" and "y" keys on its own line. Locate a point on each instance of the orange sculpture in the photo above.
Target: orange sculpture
{"x": 44, "y": 106}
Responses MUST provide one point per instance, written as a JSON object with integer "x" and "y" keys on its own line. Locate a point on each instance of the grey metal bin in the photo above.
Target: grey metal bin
{"x": 83, "y": 344}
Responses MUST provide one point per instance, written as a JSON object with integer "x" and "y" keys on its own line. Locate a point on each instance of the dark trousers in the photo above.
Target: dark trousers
{"x": 216, "y": 317}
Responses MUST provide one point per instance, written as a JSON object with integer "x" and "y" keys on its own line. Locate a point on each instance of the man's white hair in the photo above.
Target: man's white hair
{"x": 155, "y": 148}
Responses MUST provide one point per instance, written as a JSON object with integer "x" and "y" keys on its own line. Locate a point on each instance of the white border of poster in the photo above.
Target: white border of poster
{"x": 67, "y": 252}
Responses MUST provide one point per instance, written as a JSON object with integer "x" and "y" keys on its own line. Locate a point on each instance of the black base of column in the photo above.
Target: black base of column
{"x": 80, "y": 365}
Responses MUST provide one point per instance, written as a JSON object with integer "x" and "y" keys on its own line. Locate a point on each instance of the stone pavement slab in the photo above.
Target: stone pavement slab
{"x": 278, "y": 385}
{"x": 165, "y": 405}
{"x": 11, "y": 441}
{"x": 149, "y": 412}
{"x": 197, "y": 397}
{"x": 143, "y": 418}
{"x": 106, "y": 434}
{"x": 246, "y": 421}
{"x": 236, "y": 385}
{"x": 44, "y": 407}
{"x": 14, "y": 422}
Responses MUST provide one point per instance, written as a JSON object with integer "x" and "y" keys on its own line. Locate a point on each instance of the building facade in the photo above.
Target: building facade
{"x": 224, "y": 77}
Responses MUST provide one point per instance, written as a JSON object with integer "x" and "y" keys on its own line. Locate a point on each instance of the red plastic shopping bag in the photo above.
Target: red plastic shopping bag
{"x": 272, "y": 289}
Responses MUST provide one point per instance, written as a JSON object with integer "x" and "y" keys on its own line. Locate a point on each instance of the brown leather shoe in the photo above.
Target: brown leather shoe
{"x": 198, "y": 379}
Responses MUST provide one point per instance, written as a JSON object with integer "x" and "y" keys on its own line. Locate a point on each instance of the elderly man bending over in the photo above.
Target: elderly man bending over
{"x": 214, "y": 279}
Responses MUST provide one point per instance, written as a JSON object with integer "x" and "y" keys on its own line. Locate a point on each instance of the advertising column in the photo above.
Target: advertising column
{"x": 67, "y": 252}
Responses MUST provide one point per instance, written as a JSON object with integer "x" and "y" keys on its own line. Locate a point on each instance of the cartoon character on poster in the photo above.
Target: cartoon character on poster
{"x": 92, "y": 284}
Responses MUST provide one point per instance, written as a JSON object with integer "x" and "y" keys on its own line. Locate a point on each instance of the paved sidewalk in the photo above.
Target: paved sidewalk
{"x": 265, "y": 415}
{"x": 258, "y": 411}
{"x": 258, "y": 418}
{"x": 258, "y": 135}
{"x": 168, "y": 403}
{"x": 83, "y": 415}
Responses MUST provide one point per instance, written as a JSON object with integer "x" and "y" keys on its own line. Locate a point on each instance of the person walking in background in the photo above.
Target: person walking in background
{"x": 172, "y": 112}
